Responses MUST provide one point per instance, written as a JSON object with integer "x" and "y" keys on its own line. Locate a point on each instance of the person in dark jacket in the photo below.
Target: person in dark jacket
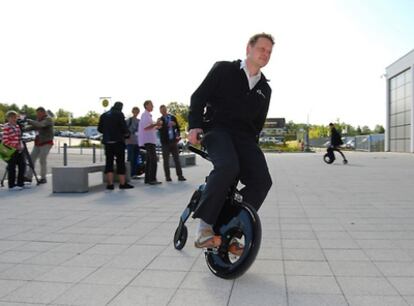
{"x": 169, "y": 136}
{"x": 336, "y": 142}
{"x": 230, "y": 108}
{"x": 114, "y": 130}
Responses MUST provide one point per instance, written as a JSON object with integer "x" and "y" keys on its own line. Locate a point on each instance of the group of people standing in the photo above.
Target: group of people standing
{"x": 135, "y": 133}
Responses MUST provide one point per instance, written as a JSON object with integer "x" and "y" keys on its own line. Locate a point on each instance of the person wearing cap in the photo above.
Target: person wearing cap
{"x": 114, "y": 130}
{"x": 12, "y": 138}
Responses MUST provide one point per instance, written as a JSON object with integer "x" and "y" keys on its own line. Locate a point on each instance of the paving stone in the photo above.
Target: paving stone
{"x": 327, "y": 239}
{"x": 366, "y": 286}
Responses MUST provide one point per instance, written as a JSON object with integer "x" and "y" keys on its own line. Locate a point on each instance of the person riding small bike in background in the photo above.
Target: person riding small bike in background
{"x": 336, "y": 141}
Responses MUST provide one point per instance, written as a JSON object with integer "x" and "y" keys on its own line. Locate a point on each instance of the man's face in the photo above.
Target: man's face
{"x": 135, "y": 112}
{"x": 12, "y": 119}
{"x": 163, "y": 110}
{"x": 150, "y": 107}
{"x": 40, "y": 114}
{"x": 259, "y": 54}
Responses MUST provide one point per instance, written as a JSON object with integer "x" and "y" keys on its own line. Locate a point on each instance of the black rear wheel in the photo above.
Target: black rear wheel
{"x": 327, "y": 159}
{"x": 241, "y": 225}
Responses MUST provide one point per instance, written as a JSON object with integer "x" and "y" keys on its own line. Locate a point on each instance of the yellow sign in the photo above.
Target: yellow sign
{"x": 105, "y": 102}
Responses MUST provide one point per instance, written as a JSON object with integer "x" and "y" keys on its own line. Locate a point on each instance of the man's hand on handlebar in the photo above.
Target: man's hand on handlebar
{"x": 193, "y": 136}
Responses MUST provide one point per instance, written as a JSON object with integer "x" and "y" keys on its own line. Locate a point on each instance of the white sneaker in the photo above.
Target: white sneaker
{"x": 16, "y": 188}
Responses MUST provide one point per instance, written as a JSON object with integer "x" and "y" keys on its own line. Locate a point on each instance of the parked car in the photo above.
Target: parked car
{"x": 28, "y": 136}
{"x": 66, "y": 133}
{"x": 79, "y": 135}
{"x": 350, "y": 144}
{"x": 96, "y": 137}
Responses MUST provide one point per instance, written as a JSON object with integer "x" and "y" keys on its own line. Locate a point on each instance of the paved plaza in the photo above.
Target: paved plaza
{"x": 333, "y": 235}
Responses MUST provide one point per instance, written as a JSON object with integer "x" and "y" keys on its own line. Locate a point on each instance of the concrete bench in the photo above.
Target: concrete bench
{"x": 186, "y": 159}
{"x": 76, "y": 178}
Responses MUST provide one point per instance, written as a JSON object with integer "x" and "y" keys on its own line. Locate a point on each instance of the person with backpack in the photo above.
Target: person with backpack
{"x": 114, "y": 130}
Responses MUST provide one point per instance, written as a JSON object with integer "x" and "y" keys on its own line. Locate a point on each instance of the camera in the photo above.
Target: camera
{"x": 21, "y": 121}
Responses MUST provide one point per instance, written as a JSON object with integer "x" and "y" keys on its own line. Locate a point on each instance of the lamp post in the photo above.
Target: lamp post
{"x": 307, "y": 149}
{"x": 70, "y": 133}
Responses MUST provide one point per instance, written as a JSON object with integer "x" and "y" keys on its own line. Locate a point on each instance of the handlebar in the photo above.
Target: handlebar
{"x": 202, "y": 153}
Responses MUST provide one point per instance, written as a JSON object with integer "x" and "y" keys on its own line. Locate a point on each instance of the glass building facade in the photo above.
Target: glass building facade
{"x": 400, "y": 105}
{"x": 400, "y": 87}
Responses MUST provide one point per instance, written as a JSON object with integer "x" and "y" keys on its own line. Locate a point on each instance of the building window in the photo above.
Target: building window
{"x": 400, "y": 111}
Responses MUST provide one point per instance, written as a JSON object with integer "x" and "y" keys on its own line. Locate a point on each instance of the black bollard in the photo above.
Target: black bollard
{"x": 93, "y": 153}
{"x": 65, "y": 154}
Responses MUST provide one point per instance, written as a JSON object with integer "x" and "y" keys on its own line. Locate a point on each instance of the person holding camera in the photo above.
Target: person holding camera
{"x": 12, "y": 137}
{"x": 43, "y": 126}
{"x": 114, "y": 131}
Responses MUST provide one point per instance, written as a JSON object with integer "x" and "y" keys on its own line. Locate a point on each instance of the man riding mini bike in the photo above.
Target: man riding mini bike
{"x": 230, "y": 107}
{"x": 336, "y": 142}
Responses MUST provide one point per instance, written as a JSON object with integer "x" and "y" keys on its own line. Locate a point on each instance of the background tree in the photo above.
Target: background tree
{"x": 379, "y": 129}
{"x": 30, "y": 112}
{"x": 62, "y": 117}
{"x": 317, "y": 131}
{"x": 93, "y": 118}
{"x": 4, "y": 108}
{"x": 63, "y": 113}
{"x": 365, "y": 130}
{"x": 180, "y": 111}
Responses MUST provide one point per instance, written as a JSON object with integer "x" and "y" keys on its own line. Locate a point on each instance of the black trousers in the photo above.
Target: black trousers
{"x": 167, "y": 149}
{"x": 234, "y": 156}
{"x": 151, "y": 163}
{"x": 19, "y": 161}
{"x": 115, "y": 151}
{"x": 331, "y": 153}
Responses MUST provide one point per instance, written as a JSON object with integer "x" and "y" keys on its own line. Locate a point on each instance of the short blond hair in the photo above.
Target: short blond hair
{"x": 11, "y": 113}
{"x": 253, "y": 40}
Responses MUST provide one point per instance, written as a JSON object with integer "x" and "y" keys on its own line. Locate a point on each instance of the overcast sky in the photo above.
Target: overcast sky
{"x": 327, "y": 62}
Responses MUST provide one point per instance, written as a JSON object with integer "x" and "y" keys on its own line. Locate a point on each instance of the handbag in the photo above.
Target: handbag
{"x": 6, "y": 152}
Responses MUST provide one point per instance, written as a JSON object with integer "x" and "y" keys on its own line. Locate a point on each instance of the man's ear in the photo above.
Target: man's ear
{"x": 248, "y": 47}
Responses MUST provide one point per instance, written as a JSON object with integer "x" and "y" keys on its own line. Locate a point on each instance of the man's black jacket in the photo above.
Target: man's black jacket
{"x": 229, "y": 102}
{"x": 164, "y": 137}
{"x": 112, "y": 126}
{"x": 336, "y": 140}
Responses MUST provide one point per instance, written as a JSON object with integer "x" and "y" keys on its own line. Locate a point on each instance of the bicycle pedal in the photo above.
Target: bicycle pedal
{"x": 211, "y": 250}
